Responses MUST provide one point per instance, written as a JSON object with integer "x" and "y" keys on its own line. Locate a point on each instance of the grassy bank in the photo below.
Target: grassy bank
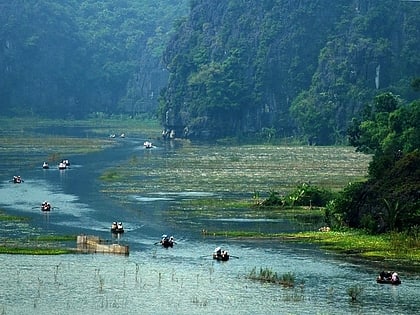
{"x": 397, "y": 249}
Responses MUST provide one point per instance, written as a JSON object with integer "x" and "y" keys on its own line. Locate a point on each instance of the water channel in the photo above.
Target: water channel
{"x": 179, "y": 280}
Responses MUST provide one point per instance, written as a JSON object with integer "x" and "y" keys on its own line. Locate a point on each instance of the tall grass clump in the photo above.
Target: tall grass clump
{"x": 269, "y": 276}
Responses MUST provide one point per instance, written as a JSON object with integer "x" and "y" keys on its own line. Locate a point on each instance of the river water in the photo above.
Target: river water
{"x": 179, "y": 280}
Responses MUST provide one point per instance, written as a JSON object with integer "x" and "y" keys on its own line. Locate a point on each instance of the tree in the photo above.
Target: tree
{"x": 389, "y": 199}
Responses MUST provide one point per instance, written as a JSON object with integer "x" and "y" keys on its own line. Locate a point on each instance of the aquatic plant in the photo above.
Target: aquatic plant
{"x": 7, "y": 217}
{"x": 268, "y": 275}
{"x": 354, "y": 292}
{"x": 295, "y": 295}
{"x": 34, "y": 250}
{"x": 111, "y": 176}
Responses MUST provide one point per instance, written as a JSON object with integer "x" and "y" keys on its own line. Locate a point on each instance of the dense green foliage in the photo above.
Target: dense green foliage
{"x": 303, "y": 195}
{"x": 390, "y": 199}
{"x": 71, "y": 58}
{"x": 266, "y": 68}
{"x": 292, "y": 67}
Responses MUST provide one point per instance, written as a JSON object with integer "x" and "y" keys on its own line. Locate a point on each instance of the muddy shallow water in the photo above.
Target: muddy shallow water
{"x": 183, "y": 279}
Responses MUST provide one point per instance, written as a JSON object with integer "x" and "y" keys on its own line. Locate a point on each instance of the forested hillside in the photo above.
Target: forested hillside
{"x": 71, "y": 58}
{"x": 231, "y": 68}
{"x": 287, "y": 68}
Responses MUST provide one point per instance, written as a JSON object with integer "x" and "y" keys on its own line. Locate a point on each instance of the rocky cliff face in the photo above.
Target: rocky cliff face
{"x": 242, "y": 67}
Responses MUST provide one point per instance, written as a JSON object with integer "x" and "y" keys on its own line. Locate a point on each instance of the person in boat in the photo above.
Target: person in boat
{"x": 167, "y": 241}
{"x": 395, "y": 277}
{"x": 385, "y": 275}
{"x": 218, "y": 251}
{"x": 45, "y": 206}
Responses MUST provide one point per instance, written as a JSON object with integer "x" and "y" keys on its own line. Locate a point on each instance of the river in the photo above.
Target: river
{"x": 179, "y": 280}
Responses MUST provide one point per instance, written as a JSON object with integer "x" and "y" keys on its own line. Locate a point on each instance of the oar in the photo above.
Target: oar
{"x": 233, "y": 256}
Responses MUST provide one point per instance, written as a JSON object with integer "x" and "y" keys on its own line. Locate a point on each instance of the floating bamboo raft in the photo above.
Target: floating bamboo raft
{"x": 93, "y": 244}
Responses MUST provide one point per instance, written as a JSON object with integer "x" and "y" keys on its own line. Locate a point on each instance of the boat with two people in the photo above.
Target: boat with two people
{"x": 17, "y": 179}
{"x": 117, "y": 227}
{"x": 388, "y": 277}
{"x": 167, "y": 241}
{"x": 64, "y": 164}
{"x": 46, "y": 206}
{"x": 148, "y": 145}
{"x": 221, "y": 255}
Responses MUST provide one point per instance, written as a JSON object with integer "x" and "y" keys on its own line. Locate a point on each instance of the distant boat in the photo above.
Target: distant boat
{"x": 117, "y": 227}
{"x": 148, "y": 145}
{"x": 64, "y": 164}
{"x": 221, "y": 255}
{"x": 45, "y": 165}
{"x": 167, "y": 241}
{"x": 17, "y": 179}
{"x": 388, "y": 278}
{"x": 45, "y": 206}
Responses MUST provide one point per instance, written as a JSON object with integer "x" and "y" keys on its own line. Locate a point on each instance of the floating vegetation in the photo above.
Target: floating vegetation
{"x": 111, "y": 176}
{"x": 268, "y": 275}
{"x": 34, "y": 250}
{"x": 354, "y": 292}
{"x": 7, "y": 217}
{"x": 209, "y": 168}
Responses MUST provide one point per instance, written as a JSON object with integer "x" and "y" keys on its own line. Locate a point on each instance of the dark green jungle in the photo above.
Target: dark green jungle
{"x": 316, "y": 72}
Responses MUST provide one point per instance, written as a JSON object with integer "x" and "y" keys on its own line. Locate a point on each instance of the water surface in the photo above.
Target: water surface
{"x": 183, "y": 279}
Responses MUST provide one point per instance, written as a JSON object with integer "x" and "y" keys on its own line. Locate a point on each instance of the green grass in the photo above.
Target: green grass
{"x": 111, "y": 176}
{"x": 392, "y": 247}
{"x": 7, "y": 217}
{"x": 34, "y": 250}
{"x": 269, "y": 276}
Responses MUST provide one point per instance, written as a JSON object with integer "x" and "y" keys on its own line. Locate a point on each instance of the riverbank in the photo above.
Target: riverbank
{"x": 392, "y": 249}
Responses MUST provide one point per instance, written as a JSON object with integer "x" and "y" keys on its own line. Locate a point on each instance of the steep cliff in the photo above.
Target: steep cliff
{"x": 292, "y": 67}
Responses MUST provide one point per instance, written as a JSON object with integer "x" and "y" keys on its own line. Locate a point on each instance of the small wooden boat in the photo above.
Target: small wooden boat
{"x": 167, "y": 241}
{"x": 45, "y": 165}
{"x": 64, "y": 164}
{"x": 45, "y": 206}
{"x": 221, "y": 255}
{"x": 388, "y": 281}
{"x": 17, "y": 179}
{"x": 388, "y": 278}
{"x": 117, "y": 227}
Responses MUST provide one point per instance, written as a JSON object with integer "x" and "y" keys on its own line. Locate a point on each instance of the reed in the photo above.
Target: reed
{"x": 354, "y": 292}
{"x": 269, "y": 276}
